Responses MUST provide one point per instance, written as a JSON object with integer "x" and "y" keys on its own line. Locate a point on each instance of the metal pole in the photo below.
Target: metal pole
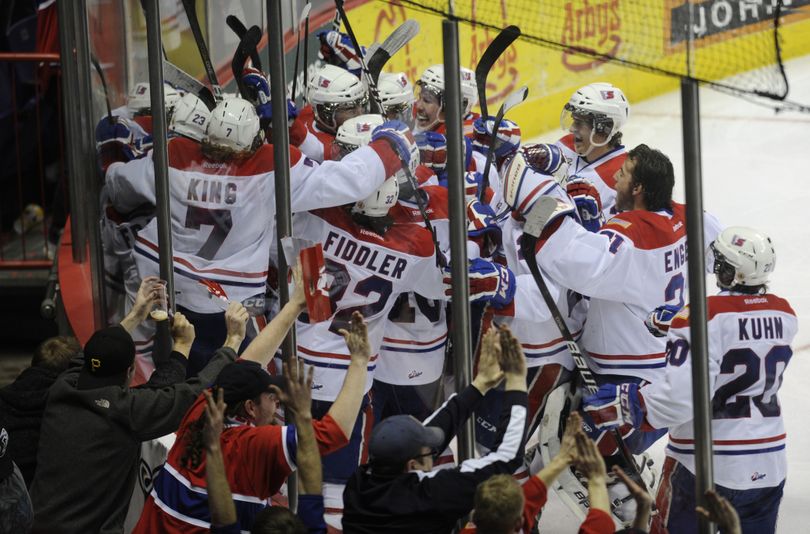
{"x": 281, "y": 155}
{"x": 701, "y": 394}
{"x": 460, "y": 305}
{"x": 160, "y": 158}
{"x": 80, "y": 147}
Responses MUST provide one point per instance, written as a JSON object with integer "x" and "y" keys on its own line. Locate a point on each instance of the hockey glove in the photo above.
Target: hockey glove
{"x": 337, "y": 49}
{"x": 399, "y": 136}
{"x": 614, "y": 405}
{"x": 588, "y": 202}
{"x": 507, "y": 142}
{"x": 658, "y": 321}
{"x": 482, "y": 228}
{"x": 114, "y": 142}
{"x": 432, "y": 150}
{"x": 547, "y": 159}
{"x": 491, "y": 283}
{"x": 472, "y": 183}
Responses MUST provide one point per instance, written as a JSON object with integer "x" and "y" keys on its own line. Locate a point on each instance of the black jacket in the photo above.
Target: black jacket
{"x": 425, "y": 503}
{"x": 22, "y": 404}
{"x": 90, "y": 444}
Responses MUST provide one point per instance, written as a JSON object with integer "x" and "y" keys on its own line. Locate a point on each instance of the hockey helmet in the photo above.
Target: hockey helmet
{"x": 603, "y": 105}
{"x": 743, "y": 257}
{"x": 432, "y": 79}
{"x": 396, "y": 95}
{"x": 190, "y": 117}
{"x": 139, "y": 100}
{"x": 332, "y": 89}
{"x": 235, "y": 125}
{"x": 379, "y": 202}
{"x": 354, "y": 133}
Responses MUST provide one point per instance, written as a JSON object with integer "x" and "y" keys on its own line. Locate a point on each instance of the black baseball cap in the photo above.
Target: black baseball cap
{"x": 108, "y": 355}
{"x": 244, "y": 380}
{"x": 400, "y": 438}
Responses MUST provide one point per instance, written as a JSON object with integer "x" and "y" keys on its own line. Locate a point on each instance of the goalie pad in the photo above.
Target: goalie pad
{"x": 569, "y": 487}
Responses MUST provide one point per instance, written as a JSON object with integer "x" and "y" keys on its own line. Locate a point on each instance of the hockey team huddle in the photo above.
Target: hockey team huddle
{"x": 596, "y": 218}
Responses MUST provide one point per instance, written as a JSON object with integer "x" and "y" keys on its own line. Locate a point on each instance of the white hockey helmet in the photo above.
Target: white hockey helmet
{"x": 379, "y": 202}
{"x": 396, "y": 95}
{"x": 235, "y": 125}
{"x": 332, "y": 89}
{"x": 743, "y": 257}
{"x": 354, "y": 133}
{"x": 139, "y": 101}
{"x": 603, "y": 104}
{"x": 190, "y": 117}
{"x": 433, "y": 79}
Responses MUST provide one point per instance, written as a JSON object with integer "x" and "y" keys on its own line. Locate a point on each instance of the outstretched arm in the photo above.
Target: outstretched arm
{"x": 264, "y": 346}
{"x": 220, "y": 499}
{"x": 347, "y": 404}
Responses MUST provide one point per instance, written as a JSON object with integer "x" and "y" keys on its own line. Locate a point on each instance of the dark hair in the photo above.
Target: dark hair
{"x": 653, "y": 171}
{"x": 498, "y": 504}
{"x": 55, "y": 353}
{"x": 277, "y": 520}
{"x": 616, "y": 140}
{"x": 195, "y": 439}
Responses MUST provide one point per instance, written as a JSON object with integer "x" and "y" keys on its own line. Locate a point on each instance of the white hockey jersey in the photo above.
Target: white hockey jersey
{"x": 635, "y": 263}
{"x": 599, "y": 172}
{"x": 529, "y": 318}
{"x": 415, "y": 338}
{"x": 366, "y": 272}
{"x": 749, "y": 349}
{"x": 223, "y": 214}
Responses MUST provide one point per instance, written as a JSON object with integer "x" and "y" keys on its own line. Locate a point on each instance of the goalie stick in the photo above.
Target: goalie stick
{"x": 390, "y": 46}
{"x": 304, "y": 16}
{"x": 536, "y": 220}
{"x": 497, "y": 47}
{"x": 511, "y": 101}
{"x": 97, "y": 66}
{"x": 173, "y": 75}
{"x": 377, "y": 108}
{"x": 191, "y": 12}
{"x": 246, "y": 48}
{"x": 240, "y": 30}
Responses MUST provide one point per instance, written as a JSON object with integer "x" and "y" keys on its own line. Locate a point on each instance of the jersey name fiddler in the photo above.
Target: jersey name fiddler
{"x": 349, "y": 250}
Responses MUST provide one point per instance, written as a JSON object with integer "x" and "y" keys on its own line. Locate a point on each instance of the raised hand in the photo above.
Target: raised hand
{"x": 489, "y": 372}
{"x": 357, "y": 339}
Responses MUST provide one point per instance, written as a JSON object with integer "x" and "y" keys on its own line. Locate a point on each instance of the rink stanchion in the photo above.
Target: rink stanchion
{"x": 460, "y": 304}
{"x": 160, "y": 158}
{"x": 281, "y": 173}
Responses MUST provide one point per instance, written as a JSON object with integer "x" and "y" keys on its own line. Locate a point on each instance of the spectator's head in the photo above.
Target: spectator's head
{"x": 498, "y": 505}
{"x": 109, "y": 359}
{"x": 645, "y": 181}
{"x": 401, "y": 443}
{"x": 247, "y": 392}
{"x": 55, "y": 353}
{"x": 277, "y": 520}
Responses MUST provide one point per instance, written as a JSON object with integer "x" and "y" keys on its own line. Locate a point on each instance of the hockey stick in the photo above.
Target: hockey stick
{"x": 536, "y": 220}
{"x": 511, "y": 101}
{"x": 376, "y": 104}
{"x": 304, "y": 16}
{"x": 246, "y": 48}
{"x": 180, "y": 79}
{"x": 390, "y": 46}
{"x": 375, "y": 99}
{"x": 305, "y": 66}
{"x": 497, "y": 47}
{"x": 240, "y": 30}
{"x": 97, "y": 66}
{"x": 191, "y": 13}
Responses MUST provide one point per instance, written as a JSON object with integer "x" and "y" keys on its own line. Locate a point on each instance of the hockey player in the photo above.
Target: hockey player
{"x": 222, "y": 196}
{"x": 139, "y": 107}
{"x": 396, "y": 96}
{"x": 334, "y": 95}
{"x": 637, "y": 259}
{"x": 430, "y": 101}
{"x": 594, "y": 118}
{"x": 749, "y": 332}
{"x": 370, "y": 261}
{"x": 190, "y": 118}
